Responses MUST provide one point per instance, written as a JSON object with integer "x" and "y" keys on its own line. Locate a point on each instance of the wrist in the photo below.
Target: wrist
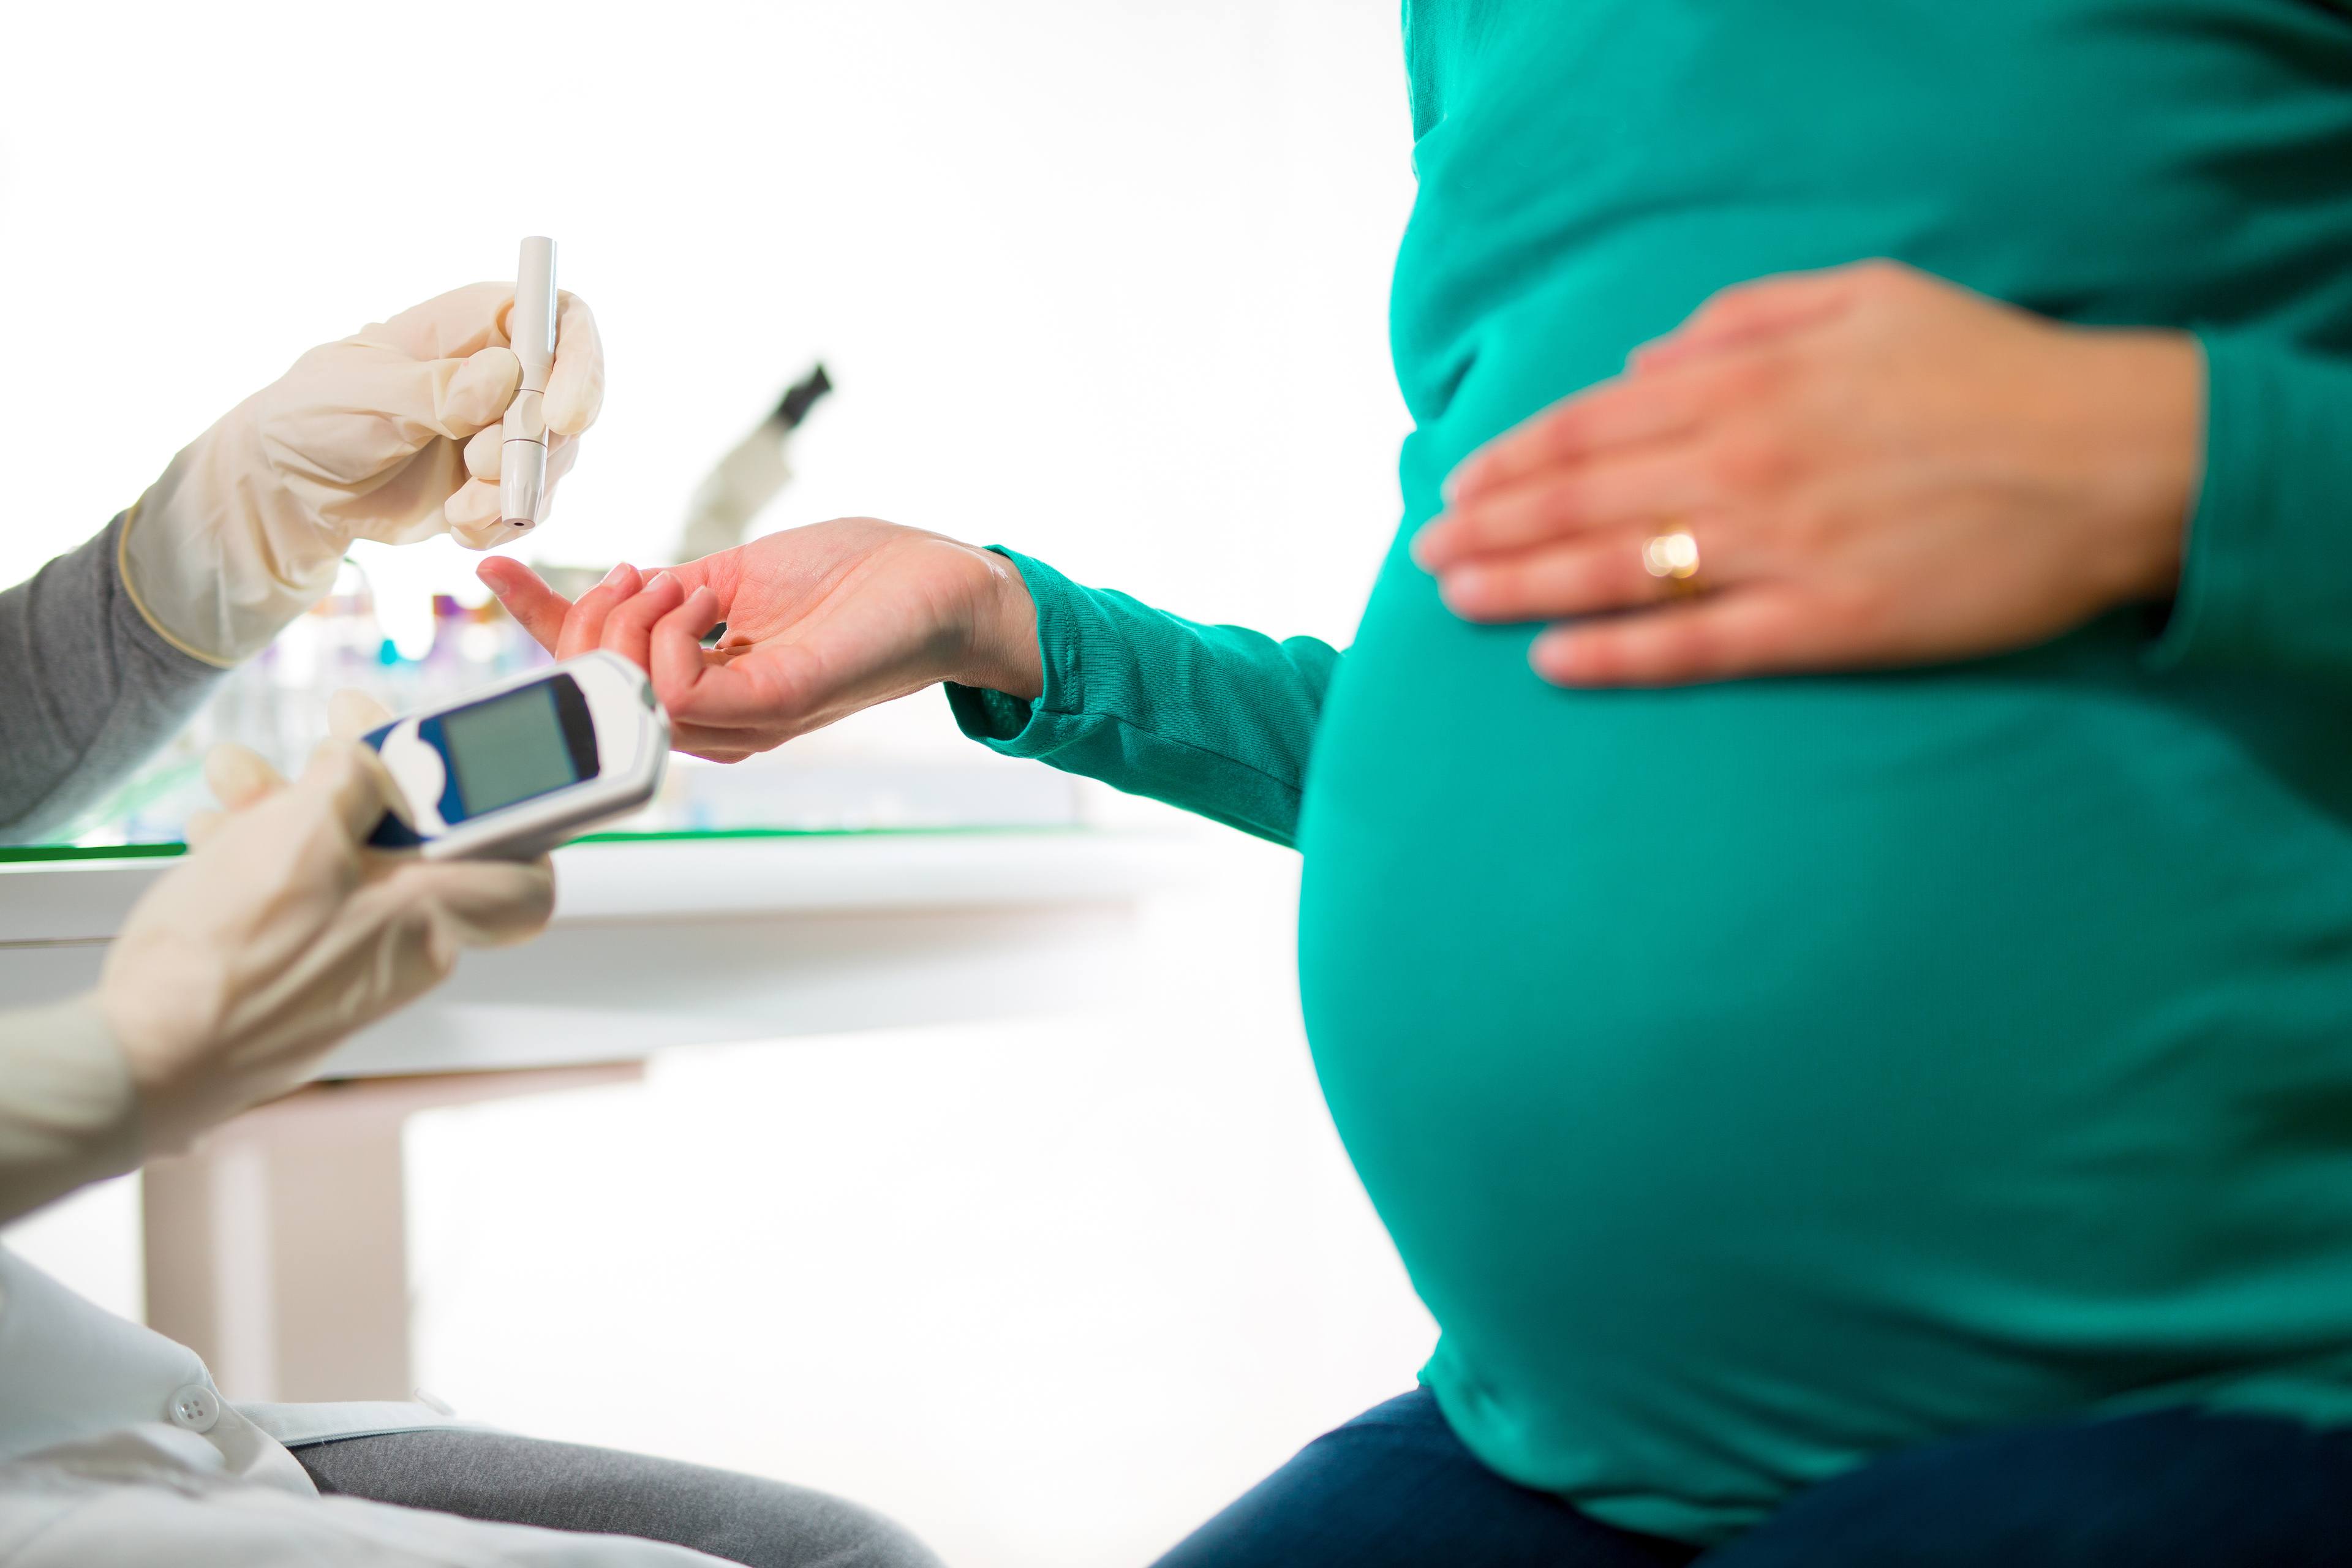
{"x": 2148, "y": 452}
{"x": 217, "y": 555}
{"x": 1001, "y": 651}
{"x": 68, "y": 1108}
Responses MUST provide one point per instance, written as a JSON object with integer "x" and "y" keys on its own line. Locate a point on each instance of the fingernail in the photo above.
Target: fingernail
{"x": 1459, "y": 592}
{"x": 613, "y": 575}
{"x": 660, "y": 580}
{"x": 1422, "y": 550}
{"x": 1550, "y": 657}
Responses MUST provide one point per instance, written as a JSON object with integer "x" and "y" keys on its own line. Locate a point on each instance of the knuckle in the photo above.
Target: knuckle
{"x": 1810, "y": 531}
{"x": 1559, "y": 431}
{"x": 1751, "y": 462}
{"x": 1741, "y": 391}
{"x": 1562, "y": 504}
{"x": 1762, "y": 377}
{"x": 1801, "y": 528}
{"x": 1734, "y": 298}
{"x": 1882, "y": 282}
{"x": 1874, "y": 611}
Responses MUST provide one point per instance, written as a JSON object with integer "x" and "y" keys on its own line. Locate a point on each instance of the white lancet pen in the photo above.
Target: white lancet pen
{"x": 530, "y": 327}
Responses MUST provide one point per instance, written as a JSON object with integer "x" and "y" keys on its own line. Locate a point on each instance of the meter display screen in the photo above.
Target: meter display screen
{"x": 511, "y": 748}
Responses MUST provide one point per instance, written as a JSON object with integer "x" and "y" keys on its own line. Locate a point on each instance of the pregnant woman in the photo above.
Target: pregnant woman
{"x": 1827, "y": 924}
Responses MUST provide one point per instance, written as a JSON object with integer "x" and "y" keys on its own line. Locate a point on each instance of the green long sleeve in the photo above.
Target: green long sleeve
{"x": 2267, "y": 584}
{"x": 1217, "y": 719}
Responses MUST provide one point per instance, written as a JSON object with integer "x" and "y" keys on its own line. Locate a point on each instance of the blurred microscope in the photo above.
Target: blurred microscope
{"x": 753, "y": 473}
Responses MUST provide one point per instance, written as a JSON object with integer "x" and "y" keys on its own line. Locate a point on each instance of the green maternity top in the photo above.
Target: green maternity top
{"x": 1758, "y": 1078}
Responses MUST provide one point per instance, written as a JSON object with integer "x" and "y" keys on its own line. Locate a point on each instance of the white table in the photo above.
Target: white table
{"x": 277, "y": 1248}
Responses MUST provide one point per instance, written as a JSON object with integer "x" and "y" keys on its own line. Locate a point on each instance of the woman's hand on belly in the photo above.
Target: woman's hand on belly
{"x": 1873, "y": 466}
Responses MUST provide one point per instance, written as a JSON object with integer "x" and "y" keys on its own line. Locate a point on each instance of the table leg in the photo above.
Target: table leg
{"x": 278, "y": 1249}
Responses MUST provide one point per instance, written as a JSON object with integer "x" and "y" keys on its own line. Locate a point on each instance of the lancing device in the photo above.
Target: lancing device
{"x": 518, "y": 767}
{"x": 530, "y": 327}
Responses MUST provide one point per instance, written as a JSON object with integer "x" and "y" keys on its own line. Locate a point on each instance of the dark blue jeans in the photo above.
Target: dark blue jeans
{"x": 1395, "y": 1488}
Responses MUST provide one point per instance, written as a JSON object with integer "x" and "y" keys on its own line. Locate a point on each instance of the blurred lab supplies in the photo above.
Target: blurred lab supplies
{"x": 749, "y": 477}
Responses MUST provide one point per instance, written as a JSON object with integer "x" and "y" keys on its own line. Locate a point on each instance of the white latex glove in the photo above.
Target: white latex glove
{"x": 391, "y": 434}
{"x": 281, "y": 933}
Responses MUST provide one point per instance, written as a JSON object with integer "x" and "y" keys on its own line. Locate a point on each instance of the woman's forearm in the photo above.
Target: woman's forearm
{"x": 1216, "y": 720}
{"x": 89, "y": 689}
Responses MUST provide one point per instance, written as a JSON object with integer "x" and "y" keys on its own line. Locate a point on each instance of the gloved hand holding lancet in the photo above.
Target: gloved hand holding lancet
{"x": 393, "y": 434}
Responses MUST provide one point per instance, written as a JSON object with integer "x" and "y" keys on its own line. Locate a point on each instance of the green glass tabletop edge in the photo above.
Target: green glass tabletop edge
{"x": 26, "y": 852}
{"x": 34, "y": 852}
{"x": 689, "y": 833}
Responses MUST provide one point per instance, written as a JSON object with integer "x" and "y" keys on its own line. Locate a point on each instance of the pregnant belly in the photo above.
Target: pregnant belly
{"x": 1858, "y": 1057}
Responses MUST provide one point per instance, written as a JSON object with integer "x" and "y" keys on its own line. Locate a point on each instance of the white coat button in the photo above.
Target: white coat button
{"x": 196, "y": 1407}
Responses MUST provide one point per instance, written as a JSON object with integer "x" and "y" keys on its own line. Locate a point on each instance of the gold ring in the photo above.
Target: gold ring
{"x": 1673, "y": 559}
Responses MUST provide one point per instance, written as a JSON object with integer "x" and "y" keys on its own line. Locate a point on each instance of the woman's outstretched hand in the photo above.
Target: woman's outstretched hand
{"x": 821, "y": 621}
{"x": 1873, "y": 468}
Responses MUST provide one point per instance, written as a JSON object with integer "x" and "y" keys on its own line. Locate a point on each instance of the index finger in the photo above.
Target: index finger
{"x": 527, "y": 598}
{"x": 455, "y": 325}
{"x": 575, "y": 387}
{"x": 1746, "y": 312}
{"x": 1622, "y": 411}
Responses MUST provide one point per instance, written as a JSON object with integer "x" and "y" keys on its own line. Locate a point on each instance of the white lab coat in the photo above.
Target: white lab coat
{"x": 116, "y": 1450}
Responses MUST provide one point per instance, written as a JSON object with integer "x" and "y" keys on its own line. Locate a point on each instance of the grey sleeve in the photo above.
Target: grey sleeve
{"x": 507, "y": 1479}
{"x": 88, "y": 688}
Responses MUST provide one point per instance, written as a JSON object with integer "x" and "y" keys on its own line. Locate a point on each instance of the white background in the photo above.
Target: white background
{"x": 1105, "y": 277}
{"x": 1100, "y": 278}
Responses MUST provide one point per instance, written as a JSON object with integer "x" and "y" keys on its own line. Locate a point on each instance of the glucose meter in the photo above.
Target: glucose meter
{"x": 517, "y": 768}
